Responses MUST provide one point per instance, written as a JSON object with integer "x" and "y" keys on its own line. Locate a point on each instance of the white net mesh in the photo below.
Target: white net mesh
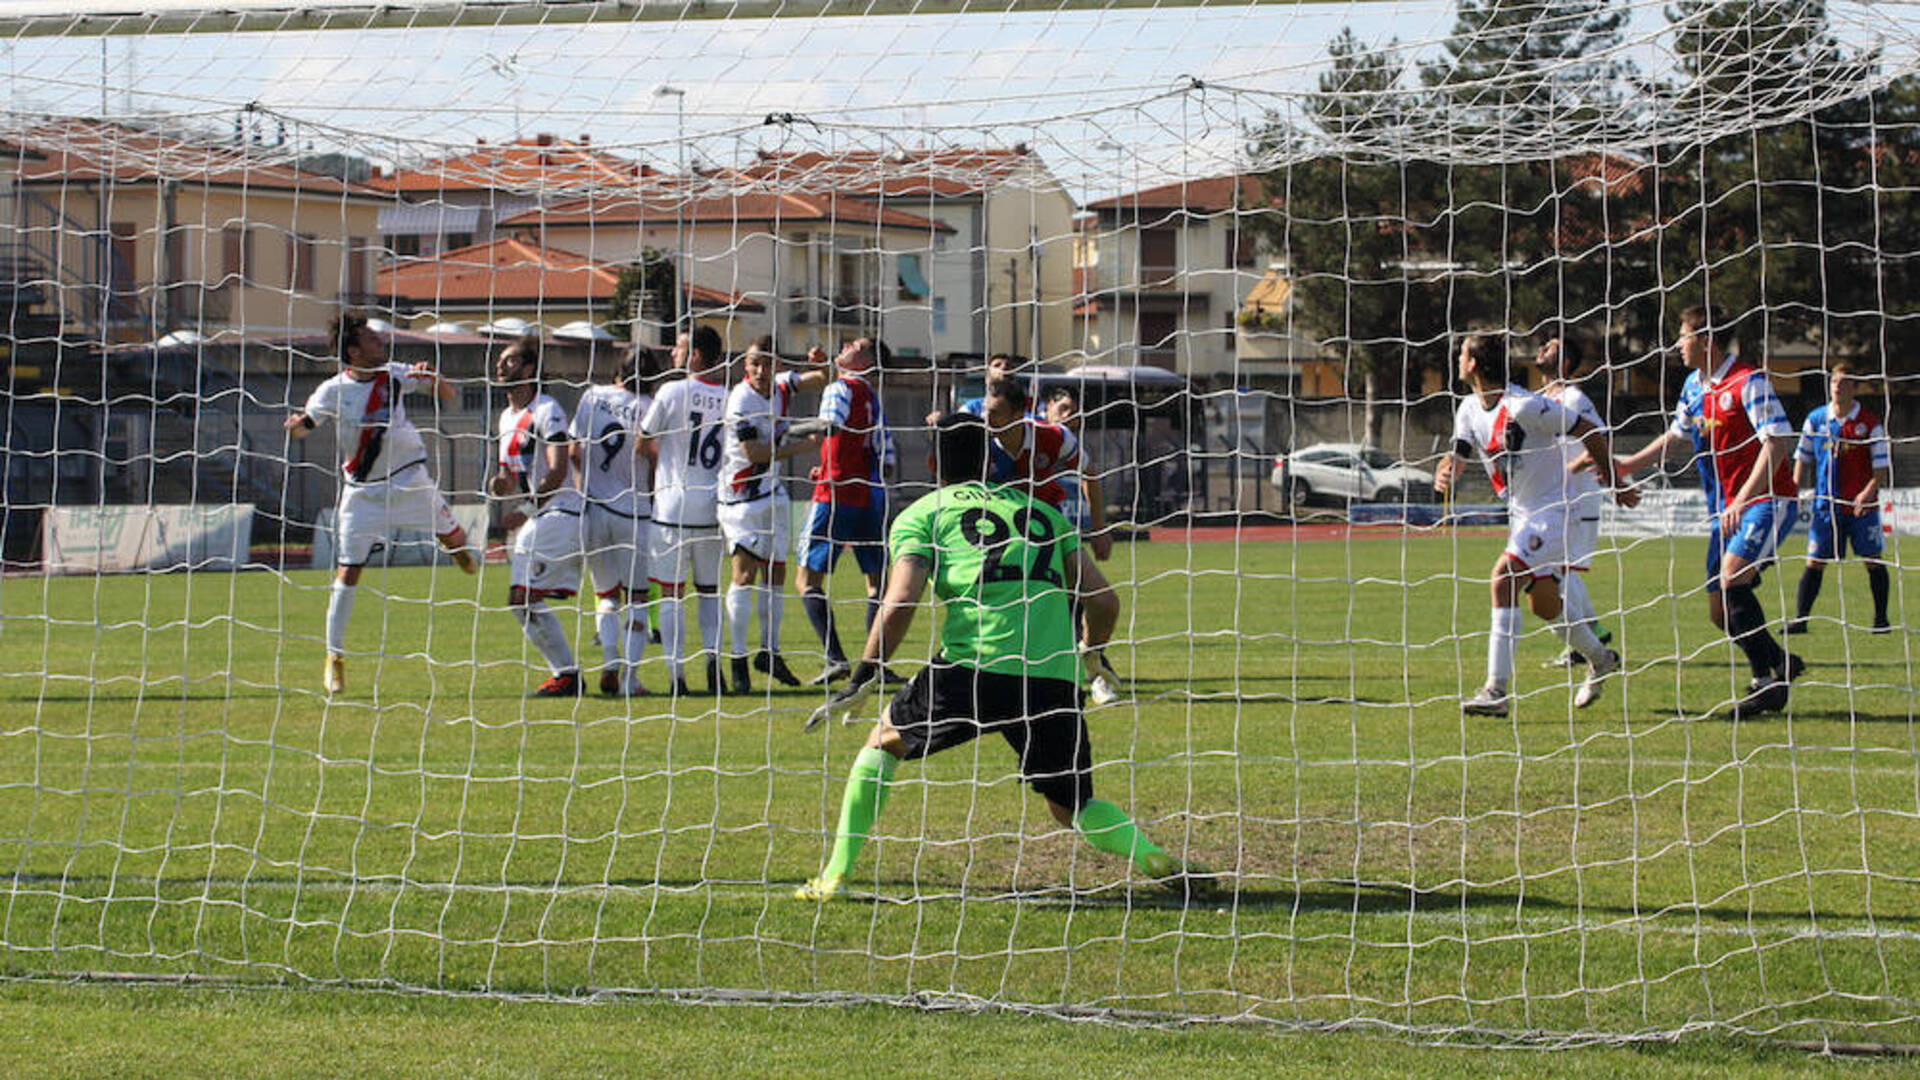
{"x": 1248, "y": 241}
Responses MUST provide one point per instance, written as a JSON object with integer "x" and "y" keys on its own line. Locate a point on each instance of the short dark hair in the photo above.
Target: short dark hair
{"x": 764, "y": 343}
{"x": 882, "y": 356}
{"x": 1008, "y": 389}
{"x": 1706, "y": 319}
{"x": 1488, "y": 351}
{"x": 705, "y": 340}
{"x": 1850, "y": 368}
{"x": 1571, "y": 352}
{"x": 529, "y": 347}
{"x": 344, "y": 330}
{"x": 959, "y": 447}
{"x": 1062, "y": 393}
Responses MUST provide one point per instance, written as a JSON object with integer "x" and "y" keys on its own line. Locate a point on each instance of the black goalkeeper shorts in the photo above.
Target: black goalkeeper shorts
{"x": 948, "y": 705}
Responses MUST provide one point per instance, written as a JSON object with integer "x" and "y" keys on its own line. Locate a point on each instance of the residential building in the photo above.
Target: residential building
{"x": 137, "y": 232}
{"x": 458, "y": 201}
{"x": 807, "y": 269}
{"x": 513, "y": 277}
{"x": 1002, "y": 279}
{"x": 1160, "y": 274}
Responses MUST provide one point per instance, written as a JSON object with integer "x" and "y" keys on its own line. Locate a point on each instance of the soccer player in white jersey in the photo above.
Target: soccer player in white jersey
{"x": 686, "y": 426}
{"x": 386, "y": 484}
{"x": 1516, "y": 435}
{"x": 616, "y": 528}
{"x": 1560, "y": 364}
{"x": 755, "y": 508}
{"x": 533, "y": 470}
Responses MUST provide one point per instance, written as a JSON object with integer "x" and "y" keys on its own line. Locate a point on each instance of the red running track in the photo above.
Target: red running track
{"x": 1337, "y": 530}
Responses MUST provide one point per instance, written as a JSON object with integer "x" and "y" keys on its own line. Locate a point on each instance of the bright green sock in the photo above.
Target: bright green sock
{"x": 866, "y": 796}
{"x": 1109, "y": 829}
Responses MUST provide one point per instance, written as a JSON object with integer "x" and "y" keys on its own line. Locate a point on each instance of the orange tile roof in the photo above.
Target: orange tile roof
{"x": 725, "y": 208}
{"x": 1209, "y": 194}
{"x": 894, "y": 173}
{"x": 1608, "y": 174}
{"x": 513, "y": 269}
{"x": 525, "y": 164}
{"x": 83, "y": 149}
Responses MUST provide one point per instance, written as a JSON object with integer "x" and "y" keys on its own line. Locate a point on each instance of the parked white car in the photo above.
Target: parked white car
{"x": 1345, "y": 473}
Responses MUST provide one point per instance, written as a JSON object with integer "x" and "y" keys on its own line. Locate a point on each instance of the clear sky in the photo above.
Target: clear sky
{"x": 1098, "y": 92}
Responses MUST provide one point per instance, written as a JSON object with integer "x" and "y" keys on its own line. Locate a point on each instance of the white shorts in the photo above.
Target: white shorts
{"x": 547, "y": 556}
{"x": 617, "y": 548}
{"x": 1583, "y": 539}
{"x": 762, "y": 528}
{"x": 683, "y": 551}
{"x": 1543, "y": 541}
{"x": 371, "y": 513}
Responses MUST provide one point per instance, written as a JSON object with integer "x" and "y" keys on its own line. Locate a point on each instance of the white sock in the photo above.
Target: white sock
{"x": 636, "y": 631}
{"x": 739, "y": 614}
{"x": 1573, "y": 594}
{"x": 1503, "y": 635}
{"x": 710, "y": 622}
{"x": 671, "y": 625}
{"x": 772, "y": 603}
{"x": 339, "y": 607}
{"x": 606, "y": 623}
{"x": 1578, "y": 636}
{"x": 544, "y": 630}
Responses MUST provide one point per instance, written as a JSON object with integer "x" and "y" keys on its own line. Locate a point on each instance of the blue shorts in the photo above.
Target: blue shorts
{"x": 1764, "y": 526}
{"x": 1833, "y": 532}
{"x": 832, "y": 529}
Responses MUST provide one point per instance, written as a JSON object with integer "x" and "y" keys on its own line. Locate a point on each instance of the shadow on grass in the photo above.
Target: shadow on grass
{"x": 1218, "y": 892}
{"x": 159, "y": 696}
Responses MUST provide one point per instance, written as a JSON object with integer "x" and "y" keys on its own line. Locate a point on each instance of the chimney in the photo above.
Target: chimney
{"x": 586, "y": 140}
{"x": 545, "y": 138}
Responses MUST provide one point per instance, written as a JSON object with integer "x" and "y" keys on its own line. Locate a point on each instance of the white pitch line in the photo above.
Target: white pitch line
{"x": 456, "y": 769}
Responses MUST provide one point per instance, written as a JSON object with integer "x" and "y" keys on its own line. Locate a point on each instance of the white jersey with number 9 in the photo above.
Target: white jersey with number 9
{"x": 606, "y": 423}
{"x": 687, "y": 421}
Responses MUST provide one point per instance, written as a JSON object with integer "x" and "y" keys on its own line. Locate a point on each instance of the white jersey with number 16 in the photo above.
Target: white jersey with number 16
{"x": 687, "y": 421}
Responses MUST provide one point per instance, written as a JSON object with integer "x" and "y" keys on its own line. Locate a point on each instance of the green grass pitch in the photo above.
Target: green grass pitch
{"x": 176, "y": 796}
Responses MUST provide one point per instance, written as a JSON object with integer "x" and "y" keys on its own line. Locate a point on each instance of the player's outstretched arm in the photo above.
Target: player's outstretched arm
{"x": 1099, "y": 606}
{"x": 905, "y": 585}
{"x": 1098, "y": 537}
{"x": 298, "y": 425}
{"x": 815, "y": 377}
{"x": 1656, "y": 450}
{"x": 1599, "y": 446}
{"x": 442, "y": 388}
{"x": 1447, "y": 473}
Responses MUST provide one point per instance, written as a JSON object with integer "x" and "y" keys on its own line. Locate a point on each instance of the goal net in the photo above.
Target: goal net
{"x": 1231, "y": 254}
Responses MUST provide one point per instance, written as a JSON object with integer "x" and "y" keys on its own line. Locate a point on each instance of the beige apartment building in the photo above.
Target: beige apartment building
{"x": 1161, "y": 274}
{"x": 140, "y": 233}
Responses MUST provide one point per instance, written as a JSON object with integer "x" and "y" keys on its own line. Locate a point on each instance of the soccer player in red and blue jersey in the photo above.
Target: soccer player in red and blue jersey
{"x": 1844, "y": 446}
{"x": 849, "y": 496}
{"x": 1748, "y": 441}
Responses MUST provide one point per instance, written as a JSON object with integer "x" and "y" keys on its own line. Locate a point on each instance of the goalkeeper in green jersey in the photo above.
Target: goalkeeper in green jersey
{"x": 1004, "y": 567}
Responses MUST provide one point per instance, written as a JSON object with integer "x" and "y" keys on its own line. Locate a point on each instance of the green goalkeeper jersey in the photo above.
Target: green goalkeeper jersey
{"x": 1000, "y": 560}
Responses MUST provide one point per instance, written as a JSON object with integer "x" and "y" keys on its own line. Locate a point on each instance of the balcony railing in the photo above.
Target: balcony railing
{"x": 845, "y": 309}
{"x": 1169, "y": 279}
